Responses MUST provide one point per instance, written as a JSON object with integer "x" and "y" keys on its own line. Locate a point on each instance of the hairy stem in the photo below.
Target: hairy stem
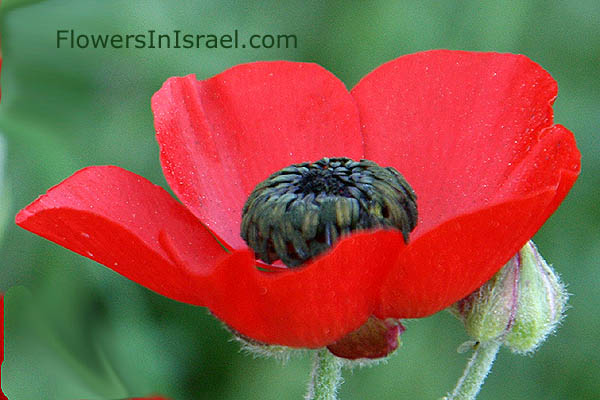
{"x": 325, "y": 378}
{"x": 477, "y": 369}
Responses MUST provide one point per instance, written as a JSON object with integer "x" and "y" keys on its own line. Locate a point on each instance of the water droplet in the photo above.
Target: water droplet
{"x": 85, "y": 235}
{"x": 89, "y": 253}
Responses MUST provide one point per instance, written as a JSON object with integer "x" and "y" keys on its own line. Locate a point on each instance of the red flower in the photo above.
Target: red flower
{"x": 471, "y": 132}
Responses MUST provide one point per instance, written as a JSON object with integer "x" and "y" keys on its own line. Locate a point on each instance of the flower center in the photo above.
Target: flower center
{"x": 300, "y": 211}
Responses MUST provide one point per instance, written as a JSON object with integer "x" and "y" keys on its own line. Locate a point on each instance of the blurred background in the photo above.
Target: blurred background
{"x": 75, "y": 329}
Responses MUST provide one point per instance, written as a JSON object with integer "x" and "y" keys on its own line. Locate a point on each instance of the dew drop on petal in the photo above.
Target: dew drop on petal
{"x": 85, "y": 235}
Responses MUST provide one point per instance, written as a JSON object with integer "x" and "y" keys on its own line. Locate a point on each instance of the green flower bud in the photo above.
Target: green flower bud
{"x": 520, "y": 306}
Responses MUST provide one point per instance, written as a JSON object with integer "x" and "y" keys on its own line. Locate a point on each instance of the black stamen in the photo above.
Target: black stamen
{"x": 302, "y": 210}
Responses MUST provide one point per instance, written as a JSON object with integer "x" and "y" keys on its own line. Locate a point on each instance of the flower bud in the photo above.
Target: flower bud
{"x": 519, "y": 306}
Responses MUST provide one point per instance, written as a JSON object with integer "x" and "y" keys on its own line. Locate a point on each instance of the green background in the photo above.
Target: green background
{"x": 78, "y": 330}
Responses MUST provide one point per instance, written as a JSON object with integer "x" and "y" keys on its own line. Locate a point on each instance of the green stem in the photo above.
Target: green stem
{"x": 476, "y": 371}
{"x": 325, "y": 378}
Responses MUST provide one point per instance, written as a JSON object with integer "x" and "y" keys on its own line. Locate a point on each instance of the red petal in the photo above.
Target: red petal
{"x": 309, "y": 307}
{"x": 121, "y": 220}
{"x": 222, "y": 136}
{"x": 554, "y": 163}
{"x": 449, "y": 262}
{"x": 473, "y": 135}
{"x": 456, "y": 124}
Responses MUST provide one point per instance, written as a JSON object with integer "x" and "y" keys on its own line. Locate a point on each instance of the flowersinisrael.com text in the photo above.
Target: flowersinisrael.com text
{"x": 176, "y": 39}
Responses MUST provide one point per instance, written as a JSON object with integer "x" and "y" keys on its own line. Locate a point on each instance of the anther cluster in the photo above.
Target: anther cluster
{"x": 300, "y": 211}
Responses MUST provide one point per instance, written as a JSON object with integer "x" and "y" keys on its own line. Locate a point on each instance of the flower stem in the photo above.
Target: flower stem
{"x": 325, "y": 378}
{"x": 477, "y": 369}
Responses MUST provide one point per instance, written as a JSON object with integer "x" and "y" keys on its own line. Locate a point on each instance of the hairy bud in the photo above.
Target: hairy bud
{"x": 520, "y": 306}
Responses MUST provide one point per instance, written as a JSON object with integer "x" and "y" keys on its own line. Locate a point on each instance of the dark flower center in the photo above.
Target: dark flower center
{"x": 300, "y": 211}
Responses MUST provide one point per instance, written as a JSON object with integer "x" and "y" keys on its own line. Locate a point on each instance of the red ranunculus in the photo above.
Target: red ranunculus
{"x": 471, "y": 132}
